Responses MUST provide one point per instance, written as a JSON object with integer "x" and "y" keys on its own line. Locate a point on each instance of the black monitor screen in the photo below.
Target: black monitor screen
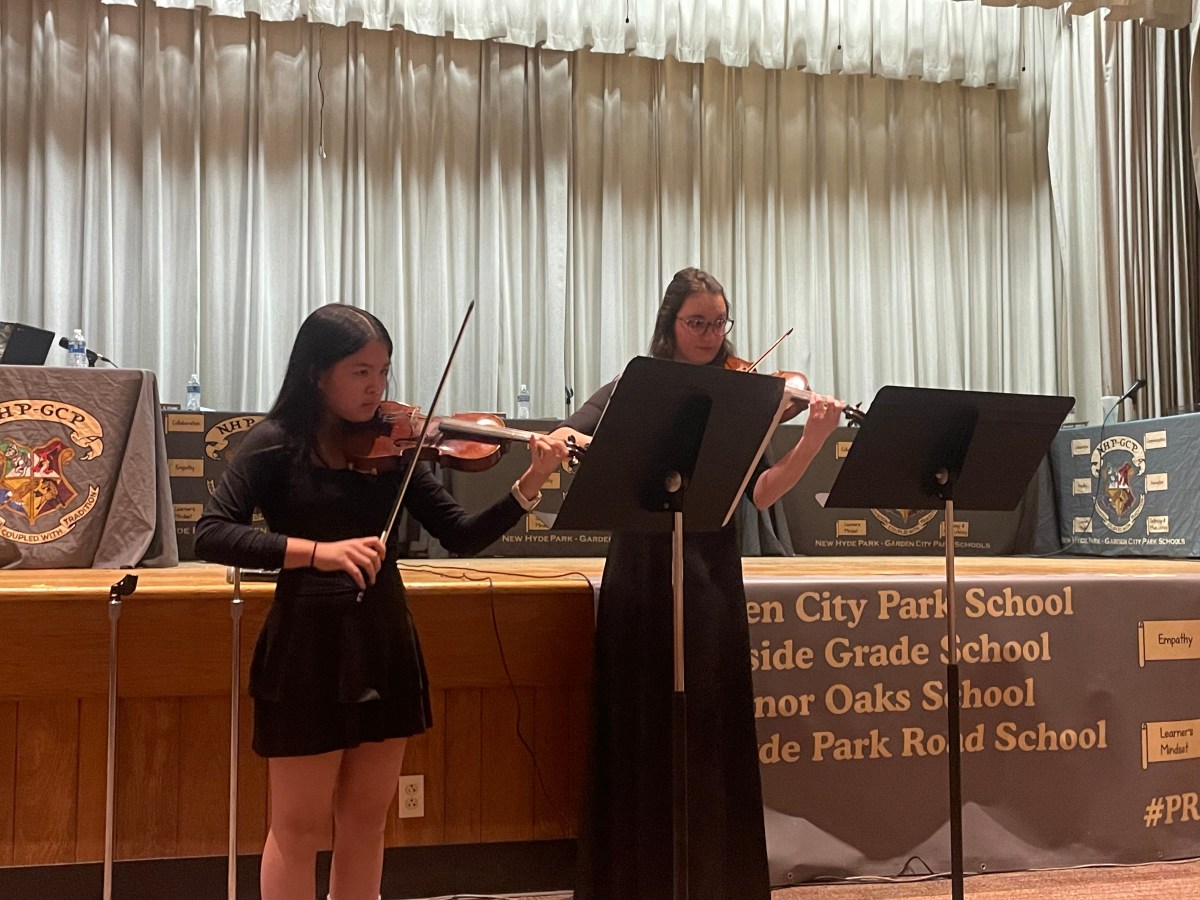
{"x": 24, "y": 345}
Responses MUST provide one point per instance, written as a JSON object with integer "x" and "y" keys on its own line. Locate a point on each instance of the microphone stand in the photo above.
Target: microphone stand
{"x": 92, "y": 356}
{"x": 122, "y": 588}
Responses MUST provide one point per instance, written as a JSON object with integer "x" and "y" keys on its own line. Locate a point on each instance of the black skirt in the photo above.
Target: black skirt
{"x": 331, "y": 671}
{"x": 625, "y": 840}
{"x": 283, "y": 728}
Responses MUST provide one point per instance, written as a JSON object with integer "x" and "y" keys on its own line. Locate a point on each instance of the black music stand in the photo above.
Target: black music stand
{"x": 674, "y": 450}
{"x": 969, "y": 449}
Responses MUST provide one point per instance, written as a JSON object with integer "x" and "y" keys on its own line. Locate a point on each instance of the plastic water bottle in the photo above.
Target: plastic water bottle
{"x": 193, "y": 394}
{"x": 77, "y": 350}
{"x": 523, "y": 411}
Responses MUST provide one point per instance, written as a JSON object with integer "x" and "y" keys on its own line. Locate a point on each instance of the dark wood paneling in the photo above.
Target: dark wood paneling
{"x": 47, "y": 782}
{"x": 425, "y": 755}
{"x": 203, "y": 776}
{"x": 148, "y": 751}
{"x": 552, "y": 753}
{"x": 581, "y": 725}
{"x": 8, "y": 778}
{"x": 172, "y": 753}
{"x": 507, "y": 766}
{"x": 93, "y": 775}
{"x": 252, "y": 784}
{"x": 464, "y": 765}
{"x": 546, "y": 638}
{"x": 52, "y": 649}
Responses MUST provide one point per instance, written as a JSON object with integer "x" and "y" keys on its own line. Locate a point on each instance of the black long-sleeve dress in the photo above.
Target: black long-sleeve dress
{"x": 625, "y": 840}
{"x": 330, "y": 672}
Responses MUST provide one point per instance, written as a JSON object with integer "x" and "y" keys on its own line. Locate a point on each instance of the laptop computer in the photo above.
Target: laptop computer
{"x": 24, "y": 345}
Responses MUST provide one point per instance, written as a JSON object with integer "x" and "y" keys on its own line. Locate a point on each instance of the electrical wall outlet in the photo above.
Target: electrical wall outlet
{"x": 412, "y": 796}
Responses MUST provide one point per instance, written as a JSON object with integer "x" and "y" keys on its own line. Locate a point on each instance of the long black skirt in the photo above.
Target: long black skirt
{"x": 625, "y": 846}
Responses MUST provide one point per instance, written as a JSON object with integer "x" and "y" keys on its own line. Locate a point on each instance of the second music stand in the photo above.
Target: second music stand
{"x": 674, "y": 450}
{"x": 921, "y": 447}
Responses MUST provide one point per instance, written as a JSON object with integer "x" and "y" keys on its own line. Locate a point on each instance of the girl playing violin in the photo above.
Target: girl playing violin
{"x": 337, "y": 678}
{"x": 625, "y": 841}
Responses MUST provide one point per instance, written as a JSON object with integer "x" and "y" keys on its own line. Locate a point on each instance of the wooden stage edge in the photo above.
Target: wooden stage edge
{"x": 554, "y": 574}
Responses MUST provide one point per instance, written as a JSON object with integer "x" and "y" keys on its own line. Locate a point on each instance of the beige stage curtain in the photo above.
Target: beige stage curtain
{"x": 187, "y": 186}
{"x": 1126, "y": 203}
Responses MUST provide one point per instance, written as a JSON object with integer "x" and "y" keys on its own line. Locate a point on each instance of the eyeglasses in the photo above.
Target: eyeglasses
{"x": 697, "y": 325}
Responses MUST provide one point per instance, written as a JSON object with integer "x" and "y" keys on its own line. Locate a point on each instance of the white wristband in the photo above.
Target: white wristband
{"x": 526, "y": 504}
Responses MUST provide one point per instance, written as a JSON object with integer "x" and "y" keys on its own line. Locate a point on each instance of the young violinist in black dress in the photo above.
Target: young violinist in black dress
{"x": 337, "y": 678}
{"x": 625, "y": 836}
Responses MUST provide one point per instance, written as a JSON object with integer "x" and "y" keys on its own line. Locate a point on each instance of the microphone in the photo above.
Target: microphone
{"x": 1138, "y": 385}
{"x": 92, "y": 355}
{"x": 1128, "y": 395}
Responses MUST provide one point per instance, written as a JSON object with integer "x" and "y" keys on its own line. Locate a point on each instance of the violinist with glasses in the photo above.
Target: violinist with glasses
{"x": 625, "y": 835}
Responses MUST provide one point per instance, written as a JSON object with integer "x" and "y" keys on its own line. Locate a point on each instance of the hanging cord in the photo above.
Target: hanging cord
{"x": 481, "y": 576}
{"x": 321, "y": 89}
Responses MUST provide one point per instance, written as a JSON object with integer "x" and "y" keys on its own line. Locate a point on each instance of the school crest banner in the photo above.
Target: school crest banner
{"x": 83, "y": 477}
{"x": 1130, "y": 488}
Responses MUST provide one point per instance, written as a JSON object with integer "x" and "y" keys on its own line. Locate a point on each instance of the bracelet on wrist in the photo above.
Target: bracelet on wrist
{"x": 525, "y": 502}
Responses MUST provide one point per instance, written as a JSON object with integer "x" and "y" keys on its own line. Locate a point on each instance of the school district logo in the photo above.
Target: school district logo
{"x": 35, "y": 485}
{"x": 905, "y": 522}
{"x": 1119, "y": 464}
{"x": 217, "y": 441}
{"x": 221, "y": 445}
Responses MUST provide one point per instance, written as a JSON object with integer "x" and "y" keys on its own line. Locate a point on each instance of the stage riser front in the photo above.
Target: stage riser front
{"x": 173, "y": 715}
{"x": 480, "y": 782}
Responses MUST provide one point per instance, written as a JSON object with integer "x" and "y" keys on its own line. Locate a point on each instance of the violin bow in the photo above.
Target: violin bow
{"x": 412, "y": 463}
{"x": 855, "y": 417}
{"x": 754, "y": 365}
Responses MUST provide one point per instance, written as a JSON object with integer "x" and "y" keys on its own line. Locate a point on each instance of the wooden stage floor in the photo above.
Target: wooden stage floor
{"x": 1156, "y": 881}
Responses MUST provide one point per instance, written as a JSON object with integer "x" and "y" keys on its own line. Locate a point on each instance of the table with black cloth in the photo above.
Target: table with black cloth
{"x": 200, "y": 446}
{"x": 797, "y": 524}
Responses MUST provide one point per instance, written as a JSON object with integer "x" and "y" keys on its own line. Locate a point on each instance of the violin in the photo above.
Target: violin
{"x": 468, "y": 442}
{"x": 795, "y": 388}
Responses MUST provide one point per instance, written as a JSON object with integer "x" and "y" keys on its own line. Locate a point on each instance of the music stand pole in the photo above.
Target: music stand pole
{"x": 235, "y": 677}
{"x": 953, "y": 729}
{"x": 679, "y": 743}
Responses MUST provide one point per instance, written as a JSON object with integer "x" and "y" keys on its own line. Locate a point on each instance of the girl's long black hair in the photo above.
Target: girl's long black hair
{"x": 329, "y": 334}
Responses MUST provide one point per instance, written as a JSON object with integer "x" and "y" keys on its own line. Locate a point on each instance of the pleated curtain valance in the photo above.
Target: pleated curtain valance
{"x": 1155, "y": 13}
{"x": 931, "y": 40}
